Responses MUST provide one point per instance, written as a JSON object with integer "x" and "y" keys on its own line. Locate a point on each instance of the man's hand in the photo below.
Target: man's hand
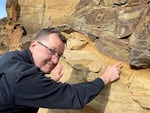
{"x": 57, "y": 74}
{"x": 111, "y": 73}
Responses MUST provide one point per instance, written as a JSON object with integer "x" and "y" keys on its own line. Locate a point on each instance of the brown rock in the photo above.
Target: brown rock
{"x": 85, "y": 24}
{"x": 140, "y": 42}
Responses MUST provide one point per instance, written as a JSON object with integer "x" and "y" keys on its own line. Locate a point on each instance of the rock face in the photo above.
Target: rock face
{"x": 13, "y": 10}
{"x": 140, "y": 55}
{"x": 111, "y": 29}
{"x": 99, "y": 33}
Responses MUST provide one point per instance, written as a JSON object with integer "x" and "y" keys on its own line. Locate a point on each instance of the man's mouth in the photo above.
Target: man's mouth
{"x": 51, "y": 64}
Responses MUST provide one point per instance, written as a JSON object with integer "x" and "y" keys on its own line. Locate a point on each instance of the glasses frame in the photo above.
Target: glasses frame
{"x": 51, "y": 51}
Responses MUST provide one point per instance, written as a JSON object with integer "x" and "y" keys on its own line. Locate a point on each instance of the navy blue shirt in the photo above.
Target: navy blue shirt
{"x": 24, "y": 87}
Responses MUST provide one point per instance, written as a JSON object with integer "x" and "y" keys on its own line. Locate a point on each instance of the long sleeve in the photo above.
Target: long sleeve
{"x": 40, "y": 91}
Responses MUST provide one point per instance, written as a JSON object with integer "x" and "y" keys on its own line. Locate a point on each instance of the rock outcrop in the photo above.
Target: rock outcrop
{"x": 99, "y": 33}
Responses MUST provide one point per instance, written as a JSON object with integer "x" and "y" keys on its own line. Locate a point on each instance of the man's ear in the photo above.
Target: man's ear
{"x": 32, "y": 45}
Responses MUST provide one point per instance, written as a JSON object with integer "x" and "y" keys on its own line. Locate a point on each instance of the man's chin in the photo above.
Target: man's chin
{"x": 47, "y": 71}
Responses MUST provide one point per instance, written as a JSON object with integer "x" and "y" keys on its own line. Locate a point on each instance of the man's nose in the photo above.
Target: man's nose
{"x": 55, "y": 59}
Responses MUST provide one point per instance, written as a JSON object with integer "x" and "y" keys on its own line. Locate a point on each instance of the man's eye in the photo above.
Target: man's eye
{"x": 52, "y": 50}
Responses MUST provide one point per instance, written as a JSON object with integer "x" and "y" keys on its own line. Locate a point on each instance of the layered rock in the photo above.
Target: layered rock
{"x": 99, "y": 33}
{"x": 140, "y": 42}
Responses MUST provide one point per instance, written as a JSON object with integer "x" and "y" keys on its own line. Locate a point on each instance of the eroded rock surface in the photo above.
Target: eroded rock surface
{"x": 140, "y": 42}
{"x": 99, "y": 33}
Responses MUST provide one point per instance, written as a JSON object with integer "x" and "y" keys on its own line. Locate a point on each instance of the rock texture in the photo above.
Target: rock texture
{"x": 140, "y": 55}
{"x": 111, "y": 29}
{"x": 99, "y": 33}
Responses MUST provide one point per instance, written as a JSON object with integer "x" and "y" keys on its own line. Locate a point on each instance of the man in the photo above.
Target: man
{"x": 23, "y": 84}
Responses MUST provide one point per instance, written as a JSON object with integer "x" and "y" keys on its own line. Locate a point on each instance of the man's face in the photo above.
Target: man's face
{"x": 46, "y": 53}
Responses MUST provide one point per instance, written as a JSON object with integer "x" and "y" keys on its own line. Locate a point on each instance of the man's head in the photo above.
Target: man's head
{"x": 47, "y": 48}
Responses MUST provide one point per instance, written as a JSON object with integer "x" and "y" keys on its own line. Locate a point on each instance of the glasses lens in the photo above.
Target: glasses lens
{"x": 50, "y": 50}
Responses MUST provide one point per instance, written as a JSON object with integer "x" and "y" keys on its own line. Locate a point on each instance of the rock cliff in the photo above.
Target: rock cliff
{"x": 99, "y": 33}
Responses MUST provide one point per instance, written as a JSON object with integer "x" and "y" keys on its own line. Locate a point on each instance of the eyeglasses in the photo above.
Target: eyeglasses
{"x": 51, "y": 51}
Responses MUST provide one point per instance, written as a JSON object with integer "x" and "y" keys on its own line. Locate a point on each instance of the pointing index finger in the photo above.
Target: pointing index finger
{"x": 118, "y": 65}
